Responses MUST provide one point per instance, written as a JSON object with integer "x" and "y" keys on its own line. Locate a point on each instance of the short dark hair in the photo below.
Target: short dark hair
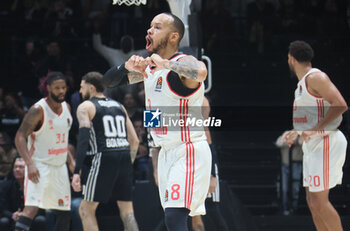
{"x": 53, "y": 76}
{"x": 301, "y": 51}
{"x": 94, "y": 78}
{"x": 178, "y": 25}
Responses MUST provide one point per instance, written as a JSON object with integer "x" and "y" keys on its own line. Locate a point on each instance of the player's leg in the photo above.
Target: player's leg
{"x": 176, "y": 219}
{"x": 197, "y": 223}
{"x": 320, "y": 225}
{"x": 87, "y": 211}
{"x": 123, "y": 186}
{"x": 319, "y": 203}
{"x": 25, "y": 220}
{"x": 127, "y": 215}
{"x": 63, "y": 219}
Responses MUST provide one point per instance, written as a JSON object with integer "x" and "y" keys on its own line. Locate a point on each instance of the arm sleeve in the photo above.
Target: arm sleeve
{"x": 116, "y": 76}
{"x": 214, "y": 159}
{"x": 82, "y": 147}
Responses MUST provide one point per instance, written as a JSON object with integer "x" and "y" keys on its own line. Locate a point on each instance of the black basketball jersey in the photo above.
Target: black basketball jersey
{"x": 108, "y": 128}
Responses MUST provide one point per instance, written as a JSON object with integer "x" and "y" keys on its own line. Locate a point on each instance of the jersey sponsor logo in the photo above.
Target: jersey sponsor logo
{"x": 159, "y": 84}
{"x": 58, "y": 151}
{"x": 152, "y": 118}
{"x": 116, "y": 142}
{"x": 297, "y": 120}
{"x": 300, "y": 90}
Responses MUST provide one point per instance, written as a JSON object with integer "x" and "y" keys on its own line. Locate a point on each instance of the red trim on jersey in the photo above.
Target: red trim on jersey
{"x": 185, "y": 117}
{"x": 52, "y": 109}
{"x": 180, "y": 109}
{"x": 326, "y": 162}
{"x": 187, "y": 127}
{"x": 309, "y": 91}
{"x": 177, "y": 56}
{"x": 187, "y": 176}
{"x": 193, "y": 166}
{"x": 190, "y": 166}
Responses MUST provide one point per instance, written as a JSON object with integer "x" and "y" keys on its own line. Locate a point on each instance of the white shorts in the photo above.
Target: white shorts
{"x": 53, "y": 189}
{"x": 184, "y": 175}
{"x": 323, "y": 161}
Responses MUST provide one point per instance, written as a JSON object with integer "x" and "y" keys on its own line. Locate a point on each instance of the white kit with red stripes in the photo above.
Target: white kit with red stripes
{"x": 309, "y": 109}
{"x": 184, "y": 161}
{"x": 324, "y": 153}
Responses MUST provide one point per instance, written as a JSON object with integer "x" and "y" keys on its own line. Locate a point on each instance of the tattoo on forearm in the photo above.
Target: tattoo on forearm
{"x": 135, "y": 77}
{"x": 188, "y": 69}
{"x": 129, "y": 222}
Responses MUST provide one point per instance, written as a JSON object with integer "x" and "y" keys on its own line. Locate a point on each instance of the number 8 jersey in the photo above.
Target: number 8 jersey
{"x": 108, "y": 128}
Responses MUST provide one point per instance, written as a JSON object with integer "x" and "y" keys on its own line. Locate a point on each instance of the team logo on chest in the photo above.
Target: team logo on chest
{"x": 159, "y": 84}
{"x": 300, "y": 90}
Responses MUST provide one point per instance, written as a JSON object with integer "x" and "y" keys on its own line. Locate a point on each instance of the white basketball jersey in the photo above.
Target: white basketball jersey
{"x": 50, "y": 143}
{"x": 309, "y": 109}
{"x": 158, "y": 94}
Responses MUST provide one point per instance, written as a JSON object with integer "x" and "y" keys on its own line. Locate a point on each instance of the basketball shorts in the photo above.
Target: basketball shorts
{"x": 53, "y": 189}
{"x": 184, "y": 175}
{"x": 323, "y": 161}
{"x": 110, "y": 178}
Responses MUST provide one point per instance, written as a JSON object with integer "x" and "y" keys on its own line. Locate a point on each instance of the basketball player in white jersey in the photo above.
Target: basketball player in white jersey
{"x": 173, "y": 80}
{"x": 42, "y": 141}
{"x": 317, "y": 113}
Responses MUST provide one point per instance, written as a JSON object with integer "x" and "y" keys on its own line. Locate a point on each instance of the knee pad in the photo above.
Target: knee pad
{"x": 23, "y": 223}
{"x": 176, "y": 219}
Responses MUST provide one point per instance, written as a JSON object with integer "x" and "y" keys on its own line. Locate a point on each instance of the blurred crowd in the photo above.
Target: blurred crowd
{"x": 75, "y": 37}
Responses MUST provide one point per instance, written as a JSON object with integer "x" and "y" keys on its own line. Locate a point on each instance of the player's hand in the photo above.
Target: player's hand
{"x": 33, "y": 173}
{"x": 289, "y": 137}
{"x": 306, "y": 135}
{"x": 157, "y": 62}
{"x": 136, "y": 64}
{"x": 76, "y": 183}
{"x": 212, "y": 184}
{"x": 16, "y": 215}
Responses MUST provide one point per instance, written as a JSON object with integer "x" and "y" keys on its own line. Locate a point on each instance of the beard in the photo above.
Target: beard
{"x": 163, "y": 44}
{"x": 86, "y": 96}
{"x": 292, "y": 72}
{"x": 55, "y": 98}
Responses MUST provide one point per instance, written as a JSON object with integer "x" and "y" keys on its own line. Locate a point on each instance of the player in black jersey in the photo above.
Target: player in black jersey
{"x": 106, "y": 132}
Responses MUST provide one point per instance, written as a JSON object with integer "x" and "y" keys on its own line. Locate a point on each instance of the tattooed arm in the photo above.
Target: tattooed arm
{"x": 31, "y": 120}
{"x": 85, "y": 112}
{"x": 188, "y": 67}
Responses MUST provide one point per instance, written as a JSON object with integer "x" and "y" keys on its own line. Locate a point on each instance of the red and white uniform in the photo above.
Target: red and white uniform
{"x": 48, "y": 148}
{"x": 324, "y": 154}
{"x": 184, "y": 160}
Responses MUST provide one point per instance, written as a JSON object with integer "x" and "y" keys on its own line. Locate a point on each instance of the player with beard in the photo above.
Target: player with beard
{"x": 42, "y": 141}
{"x": 173, "y": 80}
{"x": 317, "y": 113}
{"x": 107, "y": 135}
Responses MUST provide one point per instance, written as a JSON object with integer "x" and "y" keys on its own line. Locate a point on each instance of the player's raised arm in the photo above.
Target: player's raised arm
{"x": 30, "y": 121}
{"x": 131, "y": 72}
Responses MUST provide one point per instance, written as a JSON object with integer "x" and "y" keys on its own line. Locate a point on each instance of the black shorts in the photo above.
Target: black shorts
{"x": 110, "y": 178}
